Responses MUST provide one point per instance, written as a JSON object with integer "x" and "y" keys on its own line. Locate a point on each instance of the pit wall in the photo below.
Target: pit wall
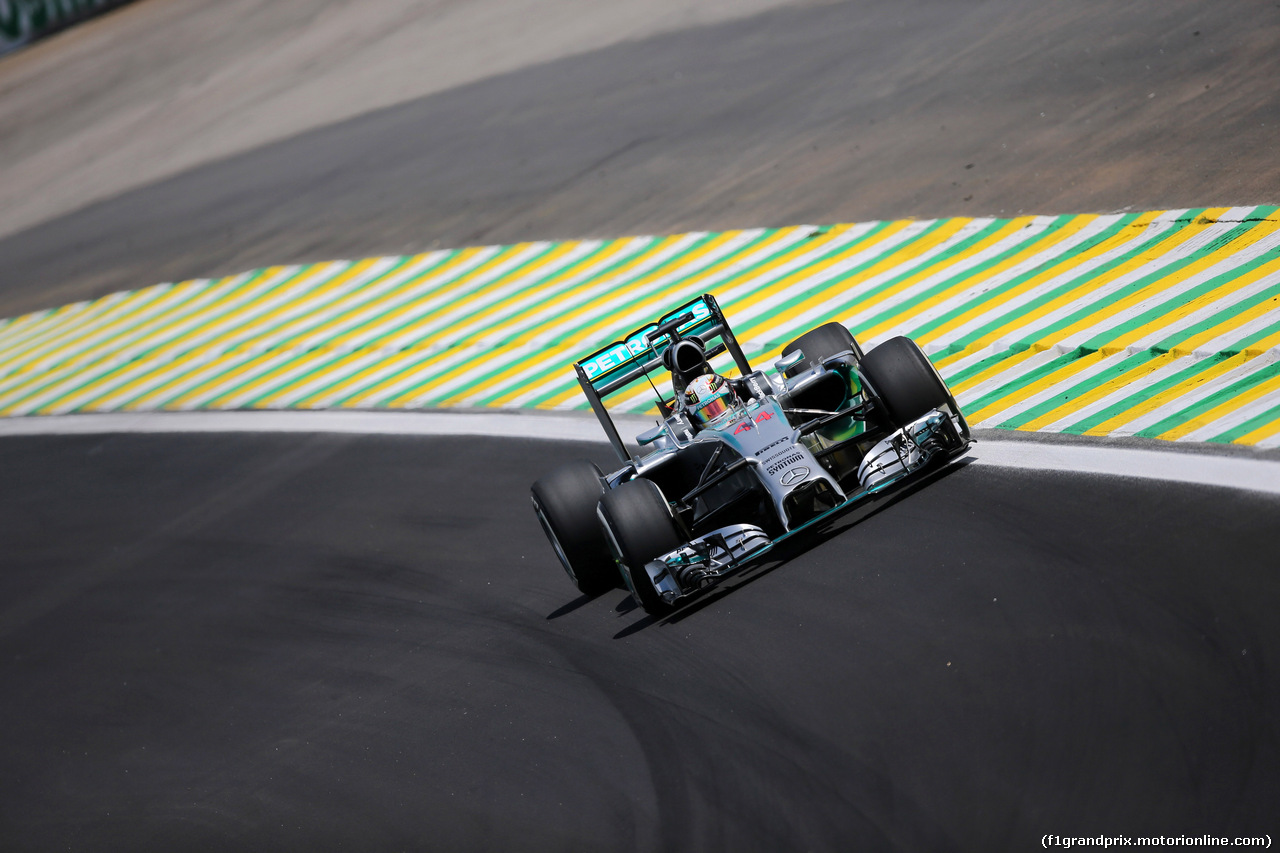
{"x": 24, "y": 21}
{"x": 1163, "y": 324}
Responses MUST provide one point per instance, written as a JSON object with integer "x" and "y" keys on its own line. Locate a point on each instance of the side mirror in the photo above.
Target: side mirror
{"x": 649, "y": 436}
{"x": 787, "y": 362}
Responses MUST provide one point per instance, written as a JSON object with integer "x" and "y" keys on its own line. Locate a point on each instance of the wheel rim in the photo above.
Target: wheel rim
{"x": 623, "y": 568}
{"x": 555, "y": 541}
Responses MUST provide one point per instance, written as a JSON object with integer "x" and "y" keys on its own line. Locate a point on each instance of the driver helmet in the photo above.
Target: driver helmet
{"x": 709, "y": 399}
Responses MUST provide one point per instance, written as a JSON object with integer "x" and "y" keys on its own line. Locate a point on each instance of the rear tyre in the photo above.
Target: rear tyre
{"x": 639, "y": 522}
{"x": 565, "y": 502}
{"x": 820, "y": 344}
{"x": 905, "y": 380}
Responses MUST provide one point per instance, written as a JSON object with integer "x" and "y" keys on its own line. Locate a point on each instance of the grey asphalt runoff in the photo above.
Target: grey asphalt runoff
{"x": 341, "y": 642}
{"x": 819, "y": 113}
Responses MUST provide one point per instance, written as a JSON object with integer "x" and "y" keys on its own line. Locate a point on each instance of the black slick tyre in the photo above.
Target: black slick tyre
{"x": 905, "y": 380}
{"x": 565, "y": 502}
{"x": 818, "y": 344}
{"x": 641, "y": 527}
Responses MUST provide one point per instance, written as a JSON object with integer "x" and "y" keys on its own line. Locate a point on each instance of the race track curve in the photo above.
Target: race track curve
{"x": 222, "y": 642}
{"x": 283, "y": 642}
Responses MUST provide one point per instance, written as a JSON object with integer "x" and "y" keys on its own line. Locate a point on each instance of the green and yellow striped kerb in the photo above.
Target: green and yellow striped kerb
{"x": 1161, "y": 324}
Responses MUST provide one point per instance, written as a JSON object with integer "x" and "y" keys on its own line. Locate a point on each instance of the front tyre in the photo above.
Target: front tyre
{"x": 818, "y": 345}
{"x": 565, "y": 502}
{"x": 638, "y": 520}
{"x": 906, "y": 381}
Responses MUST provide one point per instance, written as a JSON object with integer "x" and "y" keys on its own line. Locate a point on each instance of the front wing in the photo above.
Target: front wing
{"x": 701, "y": 563}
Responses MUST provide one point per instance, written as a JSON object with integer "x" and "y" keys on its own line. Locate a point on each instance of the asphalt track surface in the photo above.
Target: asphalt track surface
{"x": 343, "y": 642}
{"x": 818, "y": 113}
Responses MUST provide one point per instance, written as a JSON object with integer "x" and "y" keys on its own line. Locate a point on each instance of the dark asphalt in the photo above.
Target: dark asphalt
{"x": 334, "y": 643}
{"x": 831, "y": 112}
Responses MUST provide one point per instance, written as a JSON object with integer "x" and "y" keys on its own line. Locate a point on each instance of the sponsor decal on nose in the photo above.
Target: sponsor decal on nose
{"x": 794, "y": 476}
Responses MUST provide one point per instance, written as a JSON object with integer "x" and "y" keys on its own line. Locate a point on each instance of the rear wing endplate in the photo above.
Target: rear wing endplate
{"x": 618, "y": 365}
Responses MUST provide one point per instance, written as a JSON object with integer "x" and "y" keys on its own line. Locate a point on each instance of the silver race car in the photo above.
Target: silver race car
{"x": 737, "y": 465}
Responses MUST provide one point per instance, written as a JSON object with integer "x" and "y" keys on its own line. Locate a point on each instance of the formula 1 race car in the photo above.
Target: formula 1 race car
{"x": 737, "y": 465}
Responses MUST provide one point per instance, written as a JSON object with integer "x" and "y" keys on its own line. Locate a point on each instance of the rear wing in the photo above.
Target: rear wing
{"x": 621, "y": 363}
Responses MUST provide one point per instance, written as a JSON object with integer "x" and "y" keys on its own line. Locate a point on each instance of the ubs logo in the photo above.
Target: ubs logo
{"x": 794, "y": 476}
